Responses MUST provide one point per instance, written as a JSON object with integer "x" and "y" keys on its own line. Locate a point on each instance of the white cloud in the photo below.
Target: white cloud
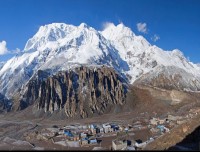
{"x": 155, "y": 38}
{"x": 107, "y": 24}
{"x": 3, "y": 48}
{"x": 142, "y": 27}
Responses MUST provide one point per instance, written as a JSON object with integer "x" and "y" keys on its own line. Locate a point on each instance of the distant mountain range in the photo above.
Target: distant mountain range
{"x": 60, "y": 47}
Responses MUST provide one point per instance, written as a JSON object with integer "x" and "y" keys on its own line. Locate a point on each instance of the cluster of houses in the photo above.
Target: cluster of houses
{"x": 156, "y": 125}
{"x": 85, "y": 135}
{"x": 164, "y": 125}
{"x": 129, "y": 144}
{"x": 81, "y": 135}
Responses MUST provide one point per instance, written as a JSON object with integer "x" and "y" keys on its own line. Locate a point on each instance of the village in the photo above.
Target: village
{"x": 112, "y": 135}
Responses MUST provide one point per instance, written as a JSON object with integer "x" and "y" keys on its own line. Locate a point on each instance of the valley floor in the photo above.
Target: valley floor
{"x": 149, "y": 124}
{"x": 19, "y": 133}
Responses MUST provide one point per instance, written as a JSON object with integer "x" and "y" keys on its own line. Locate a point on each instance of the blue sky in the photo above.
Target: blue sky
{"x": 169, "y": 24}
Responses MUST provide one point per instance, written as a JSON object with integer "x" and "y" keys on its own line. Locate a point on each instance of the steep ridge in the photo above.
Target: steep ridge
{"x": 141, "y": 56}
{"x": 170, "y": 77}
{"x": 82, "y": 92}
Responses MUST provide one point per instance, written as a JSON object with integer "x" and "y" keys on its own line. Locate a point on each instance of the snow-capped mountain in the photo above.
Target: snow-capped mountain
{"x": 141, "y": 56}
{"x": 56, "y": 47}
{"x": 170, "y": 77}
{"x": 59, "y": 46}
{"x": 68, "y": 44}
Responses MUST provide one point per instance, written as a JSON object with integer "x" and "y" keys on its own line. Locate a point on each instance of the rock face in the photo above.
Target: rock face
{"x": 82, "y": 91}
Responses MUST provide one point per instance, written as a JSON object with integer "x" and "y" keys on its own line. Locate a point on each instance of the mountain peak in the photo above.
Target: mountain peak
{"x": 83, "y": 25}
{"x": 121, "y": 25}
{"x": 177, "y": 52}
{"x": 117, "y": 32}
{"x": 110, "y": 25}
{"x": 52, "y": 33}
{"x": 48, "y": 33}
{"x": 46, "y": 29}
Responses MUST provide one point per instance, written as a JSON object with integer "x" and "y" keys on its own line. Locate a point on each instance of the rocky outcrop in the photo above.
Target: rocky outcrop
{"x": 82, "y": 91}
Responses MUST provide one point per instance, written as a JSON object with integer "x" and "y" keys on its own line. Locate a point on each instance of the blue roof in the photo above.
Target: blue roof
{"x": 160, "y": 126}
{"x": 68, "y": 133}
{"x": 86, "y": 138}
{"x": 93, "y": 140}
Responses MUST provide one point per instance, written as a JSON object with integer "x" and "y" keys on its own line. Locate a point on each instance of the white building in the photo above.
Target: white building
{"x": 119, "y": 145}
{"x": 107, "y": 128}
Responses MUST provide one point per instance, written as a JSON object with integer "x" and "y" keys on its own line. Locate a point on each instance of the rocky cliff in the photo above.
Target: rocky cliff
{"x": 82, "y": 91}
